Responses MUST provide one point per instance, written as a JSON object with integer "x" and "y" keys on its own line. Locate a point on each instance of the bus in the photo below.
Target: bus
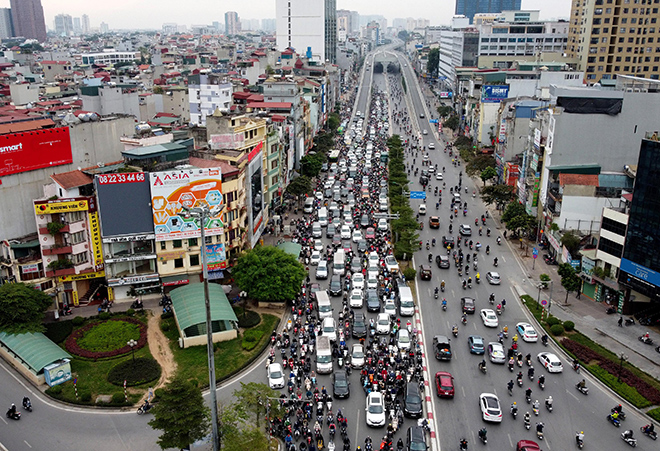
{"x": 334, "y": 156}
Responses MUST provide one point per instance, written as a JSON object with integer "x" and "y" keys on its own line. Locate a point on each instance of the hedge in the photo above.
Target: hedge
{"x": 78, "y": 321}
{"x": 629, "y": 393}
{"x": 557, "y": 329}
{"x": 118, "y": 398}
{"x": 141, "y": 371}
{"x": 410, "y": 273}
{"x": 73, "y": 347}
{"x": 251, "y": 338}
{"x": 654, "y": 413}
{"x": 57, "y": 332}
{"x": 248, "y": 319}
{"x": 569, "y": 326}
{"x": 552, "y": 320}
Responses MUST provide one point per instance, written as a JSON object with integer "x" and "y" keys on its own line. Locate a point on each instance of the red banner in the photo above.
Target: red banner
{"x": 23, "y": 152}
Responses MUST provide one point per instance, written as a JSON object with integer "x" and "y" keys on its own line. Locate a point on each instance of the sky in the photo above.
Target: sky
{"x": 131, "y": 14}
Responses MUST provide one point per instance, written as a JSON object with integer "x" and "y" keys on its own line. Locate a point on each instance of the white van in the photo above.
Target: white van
{"x": 323, "y": 216}
{"x": 329, "y": 329}
{"x": 406, "y": 302}
{"x": 323, "y": 355}
{"x": 309, "y": 205}
{"x": 323, "y": 304}
{"x": 339, "y": 262}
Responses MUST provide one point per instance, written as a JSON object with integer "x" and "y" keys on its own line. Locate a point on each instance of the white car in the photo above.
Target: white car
{"x": 375, "y": 410}
{"x": 550, "y": 362}
{"x": 403, "y": 339}
{"x": 315, "y": 258}
{"x": 493, "y": 278}
{"x": 318, "y": 245}
{"x": 425, "y": 132}
{"x": 357, "y": 299}
{"x": 357, "y": 356}
{"x": 390, "y": 308}
{"x": 383, "y": 323}
{"x": 490, "y": 407}
{"x": 329, "y": 330}
{"x": 382, "y": 224}
{"x": 357, "y": 281}
{"x": 374, "y": 260}
{"x": 496, "y": 352}
{"x": 357, "y": 236}
{"x": 527, "y": 332}
{"x": 345, "y": 232}
{"x": 372, "y": 280}
{"x": 275, "y": 376}
{"x": 431, "y": 146}
{"x": 438, "y": 175}
{"x": 391, "y": 264}
{"x": 489, "y": 318}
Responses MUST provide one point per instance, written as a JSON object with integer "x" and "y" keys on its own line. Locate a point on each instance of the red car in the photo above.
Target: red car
{"x": 444, "y": 384}
{"x": 371, "y": 233}
{"x": 527, "y": 445}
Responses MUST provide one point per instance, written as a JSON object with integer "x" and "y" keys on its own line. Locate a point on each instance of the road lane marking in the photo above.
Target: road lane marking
{"x": 510, "y": 440}
{"x": 25, "y": 441}
{"x": 463, "y": 390}
{"x": 571, "y": 393}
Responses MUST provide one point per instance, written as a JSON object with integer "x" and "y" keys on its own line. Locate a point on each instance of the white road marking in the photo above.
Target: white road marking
{"x": 3, "y": 420}
{"x": 25, "y": 441}
{"x": 510, "y": 440}
{"x": 502, "y": 258}
{"x": 463, "y": 390}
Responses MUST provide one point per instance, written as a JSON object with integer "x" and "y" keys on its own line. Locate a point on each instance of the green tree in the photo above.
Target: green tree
{"x": 403, "y": 35}
{"x": 498, "y": 195}
{"x": 253, "y": 403}
{"x": 310, "y": 164}
{"x": 269, "y": 70}
{"x": 433, "y": 62}
{"x": 300, "y": 186}
{"x": 479, "y": 164}
{"x": 451, "y": 122}
{"x": 488, "y": 174}
{"x": 181, "y": 414}
{"x": 324, "y": 142}
{"x": 333, "y": 122}
{"x": 22, "y": 308}
{"x": 512, "y": 210}
{"x": 569, "y": 279}
{"x": 267, "y": 273}
{"x": 571, "y": 241}
{"x": 444, "y": 110}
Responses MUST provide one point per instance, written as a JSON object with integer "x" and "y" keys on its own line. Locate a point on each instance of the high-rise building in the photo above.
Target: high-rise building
{"x": 63, "y": 25}
{"x": 28, "y": 19}
{"x": 232, "y": 23}
{"x": 308, "y": 25}
{"x": 105, "y": 28}
{"x": 469, "y": 8}
{"x": 6, "y": 27}
{"x": 615, "y": 38}
{"x": 268, "y": 25}
{"x": 77, "y": 28}
{"x": 85, "y": 24}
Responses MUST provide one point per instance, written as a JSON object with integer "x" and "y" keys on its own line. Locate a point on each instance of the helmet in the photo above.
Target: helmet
{"x": 581, "y": 432}
{"x": 550, "y": 397}
{"x": 514, "y": 403}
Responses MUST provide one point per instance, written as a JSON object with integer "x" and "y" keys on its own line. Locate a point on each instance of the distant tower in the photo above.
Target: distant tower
{"x": 85, "y": 24}
{"x": 28, "y": 19}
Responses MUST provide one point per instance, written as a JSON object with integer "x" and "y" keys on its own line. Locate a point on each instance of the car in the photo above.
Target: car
{"x": 341, "y": 387}
{"x": 313, "y": 289}
{"x": 434, "y": 222}
{"x": 359, "y": 329}
{"x": 383, "y": 322}
{"x": 356, "y": 264}
{"x": 527, "y": 332}
{"x": 468, "y": 305}
{"x": 382, "y": 205}
{"x": 416, "y": 439}
{"x": 489, "y": 317}
{"x": 527, "y": 445}
{"x": 442, "y": 261}
{"x": 372, "y": 279}
{"x": 315, "y": 258}
{"x": 425, "y": 272}
{"x": 362, "y": 246}
{"x": 336, "y": 240}
{"x": 431, "y": 146}
{"x": 465, "y": 230}
{"x": 496, "y": 352}
{"x": 476, "y": 344}
{"x": 275, "y": 376}
{"x": 375, "y": 409}
{"x": 335, "y": 286}
{"x": 444, "y": 384}
{"x": 447, "y": 241}
{"x": 391, "y": 264}
{"x": 431, "y": 169}
{"x": 357, "y": 281}
{"x": 373, "y": 260}
{"x": 370, "y": 233}
{"x": 422, "y": 209}
{"x": 346, "y": 245}
{"x": 365, "y": 221}
{"x": 322, "y": 270}
{"x": 421, "y": 115}
{"x": 442, "y": 347}
{"x": 318, "y": 245}
{"x": 373, "y": 303}
{"x": 390, "y": 308}
{"x": 329, "y": 328}
{"x": 438, "y": 176}
{"x": 345, "y": 232}
{"x": 412, "y": 401}
{"x": 490, "y": 407}
{"x": 318, "y": 195}
{"x": 357, "y": 355}
{"x": 551, "y": 362}
{"x": 382, "y": 224}
{"x": 493, "y": 278}
{"x": 403, "y": 339}
{"x": 330, "y": 231}
{"x": 425, "y": 132}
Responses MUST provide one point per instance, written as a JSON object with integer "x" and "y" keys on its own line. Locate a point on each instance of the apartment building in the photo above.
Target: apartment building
{"x": 206, "y": 93}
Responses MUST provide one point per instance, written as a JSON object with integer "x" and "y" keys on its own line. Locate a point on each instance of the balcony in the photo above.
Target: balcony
{"x": 555, "y": 195}
{"x": 61, "y": 272}
{"x": 57, "y": 249}
{"x": 46, "y": 231}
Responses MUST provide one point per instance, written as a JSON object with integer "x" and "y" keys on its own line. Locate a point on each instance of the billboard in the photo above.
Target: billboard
{"x": 227, "y": 141}
{"x": 216, "y": 258}
{"x": 255, "y": 193}
{"x": 48, "y": 207}
{"x": 173, "y": 190}
{"x": 23, "y": 152}
{"x": 494, "y": 93}
{"x": 122, "y": 201}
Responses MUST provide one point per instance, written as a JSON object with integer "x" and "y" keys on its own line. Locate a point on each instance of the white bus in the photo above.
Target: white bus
{"x": 334, "y": 156}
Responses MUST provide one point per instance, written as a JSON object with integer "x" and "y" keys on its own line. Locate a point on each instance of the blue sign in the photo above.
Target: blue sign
{"x": 433, "y": 121}
{"x": 535, "y": 252}
{"x": 494, "y": 93}
{"x": 418, "y": 194}
{"x": 641, "y": 272}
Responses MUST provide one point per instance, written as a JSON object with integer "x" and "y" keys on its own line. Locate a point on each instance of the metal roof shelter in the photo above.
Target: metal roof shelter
{"x": 190, "y": 311}
{"x": 290, "y": 248}
{"x": 35, "y": 350}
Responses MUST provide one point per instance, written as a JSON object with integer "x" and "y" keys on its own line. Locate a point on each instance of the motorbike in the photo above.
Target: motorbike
{"x": 137, "y": 304}
{"x": 583, "y": 390}
{"x": 435, "y": 295}
{"x": 27, "y": 405}
{"x": 454, "y": 331}
{"x": 610, "y": 311}
{"x": 144, "y": 408}
{"x": 483, "y": 368}
{"x": 14, "y": 415}
{"x": 646, "y": 340}
{"x": 627, "y": 437}
{"x": 630, "y": 321}
{"x": 539, "y": 434}
{"x": 651, "y": 434}
{"x": 614, "y": 421}
{"x": 482, "y": 436}
{"x": 578, "y": 441}
{"x": 544, "y": 340}
{"x": 548, "y": 405}
{"x": 541, "y": 385}
{"x": 340, "y": 361}
{"x": 528, "y": 423}
{"x": 622, "y": 414}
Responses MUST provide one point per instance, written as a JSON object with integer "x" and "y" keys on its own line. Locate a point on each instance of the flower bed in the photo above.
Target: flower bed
{"x": 74, "y": 348}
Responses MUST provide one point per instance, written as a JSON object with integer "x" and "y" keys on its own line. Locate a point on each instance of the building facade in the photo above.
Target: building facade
{"x": 232, "y": 23}
{"x": 309, "y": 27}
{"x": 469, "y": 8}
{"x": 28, "y": 19}
{"x": 206, "y": 93}
{"x": 6, "y": 24}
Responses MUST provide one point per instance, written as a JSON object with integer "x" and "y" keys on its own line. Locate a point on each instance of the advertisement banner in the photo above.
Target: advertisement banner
{"x": 216, "y": 258}
{"x": 23, "y": 152}
{"x": 88, "y": 275}
{"x": 57, "y": 373}
{"x": 74, "y": 296}
{"x": 173, "y": 190}
{"x": 494, "y": 93}
{"x": 255, "y": 197}
{"x": 111, "y": 179}
{"x": 445, "y": 95}
{"x": 172, "y": 255}
{"x": 30, "y": 269}
{"x": 227, "y": 141}
{"x": 47, "y": 207}
{"x": 537, "y": 138}
{"x": 95, "y": 234}
{"x": 502, "y": 135}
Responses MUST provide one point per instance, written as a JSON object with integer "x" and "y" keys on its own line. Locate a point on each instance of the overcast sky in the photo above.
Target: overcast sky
{"x": 153, "y": 13}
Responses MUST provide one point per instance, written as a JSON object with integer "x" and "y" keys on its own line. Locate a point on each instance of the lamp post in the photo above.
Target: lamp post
{"x": 202, "y": 213}
{"x": 622, "y": 358}
{"x": 132, "y": 343}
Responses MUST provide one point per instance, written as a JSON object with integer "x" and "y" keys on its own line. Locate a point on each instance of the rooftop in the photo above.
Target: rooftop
{"x": 72, "y": 179}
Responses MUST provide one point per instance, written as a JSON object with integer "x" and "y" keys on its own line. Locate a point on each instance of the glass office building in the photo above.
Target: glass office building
{"x": 469, "y": 8}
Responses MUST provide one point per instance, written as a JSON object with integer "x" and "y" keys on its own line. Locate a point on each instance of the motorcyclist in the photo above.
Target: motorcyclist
{"x": 454, "y": 329}
{"x": 618, "y": 408}
{"x": 463, "y": 444}
{"x": 509, "y": 385}
{"x": 482, "y": 364}
{"x": 528, "y": 393}
{"x": 12, "y": 409}
{"x": 615, "y": 415}
{"x": 649, "y": 428}
{"x": 26, "y": 402}
{"x": 582, "y": 384}
{"x": 495, "y": 261}
{"x": 541, "y": 379}
{"x": 442, "y": 285}
{"x": 514, "y": 408}
{"x": 527, "y": 418}
{"x": 544, "y": 338}
{"x": 436, "y": 291}
{"x": 444, "y": 302}
{"x": 536, "y": 405}
{"x": 482, "y": 433}
{"x": 548, "y": 401}
{"x": 628, "y": 434}
{"x": 539, "y": 427}
{"x": 530, "y": 373}
{"x": 579, "y": 437}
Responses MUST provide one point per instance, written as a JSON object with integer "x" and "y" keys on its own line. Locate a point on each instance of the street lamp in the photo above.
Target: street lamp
{"x": 202, "y": 213}
{"x": 132, "y": 343}
{"x": 622, "y": 358}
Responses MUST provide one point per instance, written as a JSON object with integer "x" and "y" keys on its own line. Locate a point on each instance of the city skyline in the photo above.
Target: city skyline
{"x": 208, "y": 11}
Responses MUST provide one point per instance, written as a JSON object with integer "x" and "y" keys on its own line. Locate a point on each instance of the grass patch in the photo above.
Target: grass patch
{"x": 654, "y": 413}
{"x": 629, "y": 393}
{"x": 109, "y": 336}
{"x": 229, "y": 355}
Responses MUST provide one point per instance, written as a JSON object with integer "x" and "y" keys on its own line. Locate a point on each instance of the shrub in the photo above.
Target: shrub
{"x": 557, "y": 330}
{"x": 250, "y": 319}
{"x": 118, "y": 398}
{"x": 141, "y": 371}
{"x": 654, "y": 413}
{"x": 130, "y": 312}
{"x": 251, "y": 338}
{"x": 85, "y": 395}
{"x": 410, "y": 273}
{"x": 73, "y": 347}
{"x": 552, "y": 320}
{"x": 569, "y": 325}
{"x": 166, "y": 315}
{"x": 104, "y": 316}
{"x": 57, "y": 332}
{"x": 629, "y": 393}
{"x": 54, "y": 390}
{"x": 78, "y": 321}
{"x": 164, "y": 327}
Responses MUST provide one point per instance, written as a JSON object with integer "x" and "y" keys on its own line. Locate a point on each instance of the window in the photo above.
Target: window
{"x": 194, "y": 260}
{"x": 622, "y": 30}
{"x": 192, "y": 242}
{"x": 208, "y": 240}
{"x": 177, "y": 244}
{"x": 178, "y": 263}
{"x": 77, "y": 237}
{"x": 624, "y": 20}
{"x": 163, "y": 245}
{"x": 274, "y": 164}
{"x": 610, "y": 247}
{"x": 79, "y": 258}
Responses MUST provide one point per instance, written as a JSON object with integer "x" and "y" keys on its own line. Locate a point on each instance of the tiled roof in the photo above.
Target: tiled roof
{"x": 72, "y": 179}
{"x": 225, "y": 168}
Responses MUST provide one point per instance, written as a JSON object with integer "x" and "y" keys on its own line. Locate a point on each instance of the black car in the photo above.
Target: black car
{"x": 335, "y": 286}
{"x": 447, "y": 241}
{"x": 341, "y": 387}
{"x": 423, "y": 180}
{"x": 442, "y": 261}
{"x": 468, "y": 305}
{"x": 425, "y": 272}
{"x": 373, "y": 303}
{"x": 442, "y": 347}
{"x": 359, "y": 326}
{"x": 416, "y": 439}
{"x": 412, "y": 401}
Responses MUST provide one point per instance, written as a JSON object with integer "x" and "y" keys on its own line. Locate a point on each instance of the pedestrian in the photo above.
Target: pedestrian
{"x": 620, "y": 322}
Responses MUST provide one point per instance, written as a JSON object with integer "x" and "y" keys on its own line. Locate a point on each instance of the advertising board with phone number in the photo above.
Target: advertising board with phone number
{"x": 130, "y": 177}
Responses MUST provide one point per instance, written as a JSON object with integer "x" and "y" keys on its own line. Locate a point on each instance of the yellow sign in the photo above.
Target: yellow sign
{"x": 89, "y": 275}
{"x": 173, "y": 255}
{"x": 97, "y": 247}
{"x": 111, "y": 294}
{"x": 60, "y": 207}
{"x": 75, "y": 298}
